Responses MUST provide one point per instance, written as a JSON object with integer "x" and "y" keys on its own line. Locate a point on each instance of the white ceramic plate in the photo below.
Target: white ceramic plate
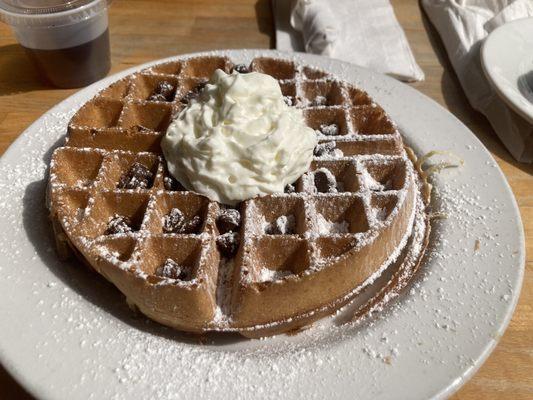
{"x": 507, "y": 59}
{"x": 65, "y": 333}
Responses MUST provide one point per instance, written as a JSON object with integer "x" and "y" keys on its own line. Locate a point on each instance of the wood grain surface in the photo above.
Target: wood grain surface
{"x": 146, "y": 30}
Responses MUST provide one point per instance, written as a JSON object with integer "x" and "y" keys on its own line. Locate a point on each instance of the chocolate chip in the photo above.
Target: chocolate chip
{"x": 241, "y": 69}
{"x": 172, "y": 184}
{"x": 176, "y": 222}
{"x": 171, "y": 269}
{"x": 325, "y": 149}
{"x": 190, "y": 95}
{"x": 289, "y": 100}
{"x": 228, "y": 220}
{"x": 193, "y": 225}
{"x": 164, "y": 91}
{"x": 325, "y": 181}
{"x": 157, "y": 97}
{"x": 118, "y": 224}
{"x": 137, "y": 177}
{"x": 200, "y": 86}
{"x": 290, "y": 188}
{"x": 228, "y": 244}
{"x": 193, "y": 93}
{"x": 283, "y": 225}
{"x": 329, "y": 130}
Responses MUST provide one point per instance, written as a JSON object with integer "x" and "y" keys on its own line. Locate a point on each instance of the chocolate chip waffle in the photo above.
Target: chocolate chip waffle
{"x": 274, "y": 263}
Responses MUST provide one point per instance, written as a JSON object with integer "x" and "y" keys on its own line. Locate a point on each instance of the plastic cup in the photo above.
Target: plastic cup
{"x": 68, "y": 40}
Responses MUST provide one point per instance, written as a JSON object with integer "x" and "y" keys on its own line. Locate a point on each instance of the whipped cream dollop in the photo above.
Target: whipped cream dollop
{"x": 238, "y": 139}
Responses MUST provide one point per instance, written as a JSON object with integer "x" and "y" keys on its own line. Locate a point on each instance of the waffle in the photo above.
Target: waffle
{"x": 296, "y": 256}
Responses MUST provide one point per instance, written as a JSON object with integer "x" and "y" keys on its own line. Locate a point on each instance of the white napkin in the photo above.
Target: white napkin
{"x": 363, "y": 32}
{"x": 317, "y": 24}
{"x": 463, "y": 25}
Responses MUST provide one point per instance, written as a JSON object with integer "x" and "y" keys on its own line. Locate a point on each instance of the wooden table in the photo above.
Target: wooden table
{"x": 146, "y": 30}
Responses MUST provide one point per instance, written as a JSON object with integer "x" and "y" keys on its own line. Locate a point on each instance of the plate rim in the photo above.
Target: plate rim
{"x": 494, "y": 81}
{"x": 35, "y": 388}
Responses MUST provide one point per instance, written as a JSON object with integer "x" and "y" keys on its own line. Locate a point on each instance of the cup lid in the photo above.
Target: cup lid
{"x": 36, "y": 12}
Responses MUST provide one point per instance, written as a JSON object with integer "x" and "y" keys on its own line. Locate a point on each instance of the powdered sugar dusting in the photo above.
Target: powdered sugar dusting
{"x": 326, "y": 227}
{"x": 266, "y": 275}
{"x": 369, "y": 182}
{"x": 222, "y": 316}
{"x": 283, "y": 224}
